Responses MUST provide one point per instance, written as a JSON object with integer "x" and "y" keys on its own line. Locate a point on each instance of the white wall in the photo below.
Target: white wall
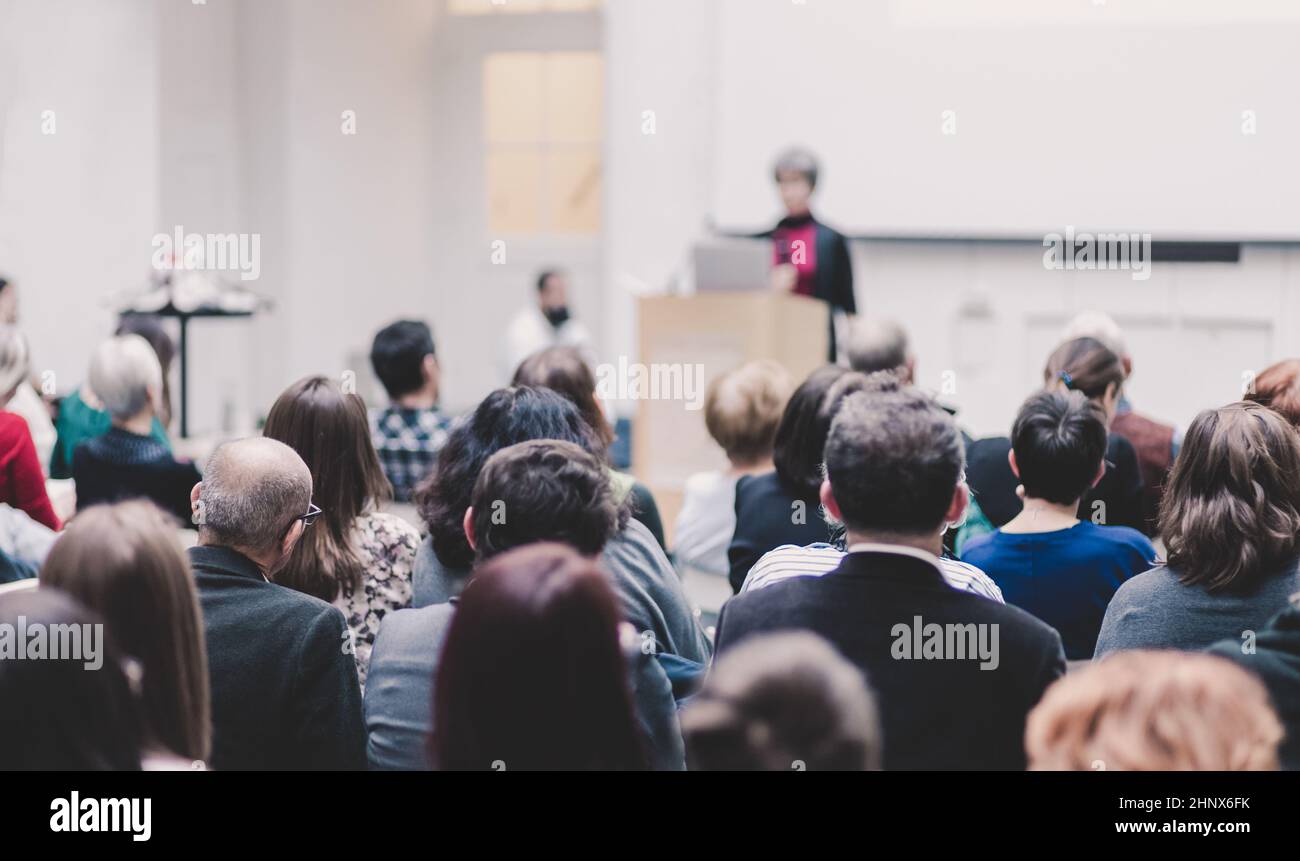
{"x": 985, "y": 316}
{"x": 988, "y": 312}
{"x": 225, "y": 116}
{"x": 78, "y": 207}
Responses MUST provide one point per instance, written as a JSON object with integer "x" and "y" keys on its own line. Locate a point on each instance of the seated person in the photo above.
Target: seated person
{"x": 947, "y": 701}
{"x": 533, "y": 675}
{"x": 1272, "y": 654}
{"x": 409, "y": 431}
{"x": 1154, "y": 711}
{"x": 539, "y": 491}
{"x": 783, "y": 506}
{"x": 565, "y": 371}
{"x": 82, "y": 415}
{"x": 285, "y": 693}
{"x": 1082, "y": 365}
{"x": 648, "y": 588}
{"x": 1046, "y": 560}
{"x": 22, "y": 483}
{"x": 1231, "y": 526}
{"x": 741, "y": 411}
{"x": 127, "y": 462}
{"x": 73, "y": 712}
{"x": 1155, "y": 443}
{"x": 1278, "y": 388}
{"x": 783, "y": 702}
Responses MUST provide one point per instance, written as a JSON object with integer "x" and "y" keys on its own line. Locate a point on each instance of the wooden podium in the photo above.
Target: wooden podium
{"x": 712, "y": 333}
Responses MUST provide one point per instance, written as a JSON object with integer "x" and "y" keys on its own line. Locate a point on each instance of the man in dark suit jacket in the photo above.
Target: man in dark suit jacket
{"x": 955, "y": 674}
{"x": 285, "y": 694}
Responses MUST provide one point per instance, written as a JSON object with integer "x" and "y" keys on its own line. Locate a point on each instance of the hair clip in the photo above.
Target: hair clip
{"x": 1066, "y": 378}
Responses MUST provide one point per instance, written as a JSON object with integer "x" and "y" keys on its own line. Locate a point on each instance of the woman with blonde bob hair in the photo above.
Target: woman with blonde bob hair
{"x": 1230, "y": 519}
{"x": 1154, "y": 711}
{"x": 125, "y": 562}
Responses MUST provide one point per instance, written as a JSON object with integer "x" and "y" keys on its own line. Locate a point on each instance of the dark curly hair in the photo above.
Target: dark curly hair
{"x": 544, "y": 490}
{"x": 504, "y": 418}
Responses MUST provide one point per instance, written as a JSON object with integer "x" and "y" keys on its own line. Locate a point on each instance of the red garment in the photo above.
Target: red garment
{"x": 22, "y": 484}
{"x": 796, "y": 242}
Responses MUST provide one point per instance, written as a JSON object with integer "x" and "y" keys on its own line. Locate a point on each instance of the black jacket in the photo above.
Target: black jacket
{"x": 935, "y": 713}
{"x": 121, "y": 465}
{"x": 833, "y": 283}
{"x": 1274, "y": 656}
{"x": 285, "y": 694}
{"x": 766, "y": 519}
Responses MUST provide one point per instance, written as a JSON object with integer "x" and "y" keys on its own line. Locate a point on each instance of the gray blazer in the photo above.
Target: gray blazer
{"x": 399, "y": 694}
{"x": 648, "y": 588}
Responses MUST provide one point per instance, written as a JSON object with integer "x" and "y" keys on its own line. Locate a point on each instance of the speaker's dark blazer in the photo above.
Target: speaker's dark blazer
{"x": 937, "y": 713}
{"x": 285, "y": 694}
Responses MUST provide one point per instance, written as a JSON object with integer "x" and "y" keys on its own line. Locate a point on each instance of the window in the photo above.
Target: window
{"x": 542, "y": 127}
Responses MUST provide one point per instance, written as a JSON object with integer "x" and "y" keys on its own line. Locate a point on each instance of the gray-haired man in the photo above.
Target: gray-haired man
{"x": 285, "y": 693}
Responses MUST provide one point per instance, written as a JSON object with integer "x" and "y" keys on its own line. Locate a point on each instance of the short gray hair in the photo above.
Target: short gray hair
{"x": 15, "y": 360}
{"x": 252, "y": 491}
{"x": 123, "y": 372}
{"x": 796, "y": 160}
{"x": 877, "y": 344}
{"x": 894, "y": 460}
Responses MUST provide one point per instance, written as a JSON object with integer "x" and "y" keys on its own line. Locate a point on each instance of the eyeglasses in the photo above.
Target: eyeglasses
{"x": 313, "y": 511}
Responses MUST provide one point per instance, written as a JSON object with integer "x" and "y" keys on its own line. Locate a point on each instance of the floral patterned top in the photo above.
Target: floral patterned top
{"x": 387, "y": 545}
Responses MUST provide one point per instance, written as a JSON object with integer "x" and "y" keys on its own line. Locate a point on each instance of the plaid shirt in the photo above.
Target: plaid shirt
{"x": 407, "y": 441}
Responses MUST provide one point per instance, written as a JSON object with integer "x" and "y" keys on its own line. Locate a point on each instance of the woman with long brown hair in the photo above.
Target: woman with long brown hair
{"x": 125, "y": 562}
{"x": 356, "y": 557}
{"x": 532, "y": 674}
{"x": 1230, "y": 519}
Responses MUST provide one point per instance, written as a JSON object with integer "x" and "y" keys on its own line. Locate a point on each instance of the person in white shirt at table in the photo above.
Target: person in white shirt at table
{"x": 548, "y": 322}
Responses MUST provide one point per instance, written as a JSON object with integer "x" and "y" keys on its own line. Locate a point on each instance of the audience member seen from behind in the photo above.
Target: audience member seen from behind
{"x": 880, "y": 344}
{"x": 1082, "y": 365}
{"x": 1155, "y": 443}
{"x": 73, "y": 712}
{"x": 1154, "y": 711}
{"x": 356, "y": 557}
{"x": 783, "y": 702}
{"x": 533, "y": 676}
{"x": 409, "y": 431}
{"x": 564, "y": 370}
{"x": 26, "y": 401}
{"x": 82, "y": 415}
{"x": 285, "y": 694}
{"x": 531, "y": 492}
{"x": 22, "y": 483}
{"x": 1278, "y": 388}
{"x": 127, "y": 462}
{"x": 820, "y": 558}
{"x": 648, "y": 587}
{"x": 893, "y": 478}
{"x": 1231, "y": 527}
{"x": 742, "y": 409}
{"x": 783, "y": 506}
{"x": 124, "y": 562}
{"x": 1045, "y": 559}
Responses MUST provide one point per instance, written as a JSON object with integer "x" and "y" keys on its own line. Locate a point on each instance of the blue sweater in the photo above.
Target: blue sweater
{"x": 1065, "y": 577}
